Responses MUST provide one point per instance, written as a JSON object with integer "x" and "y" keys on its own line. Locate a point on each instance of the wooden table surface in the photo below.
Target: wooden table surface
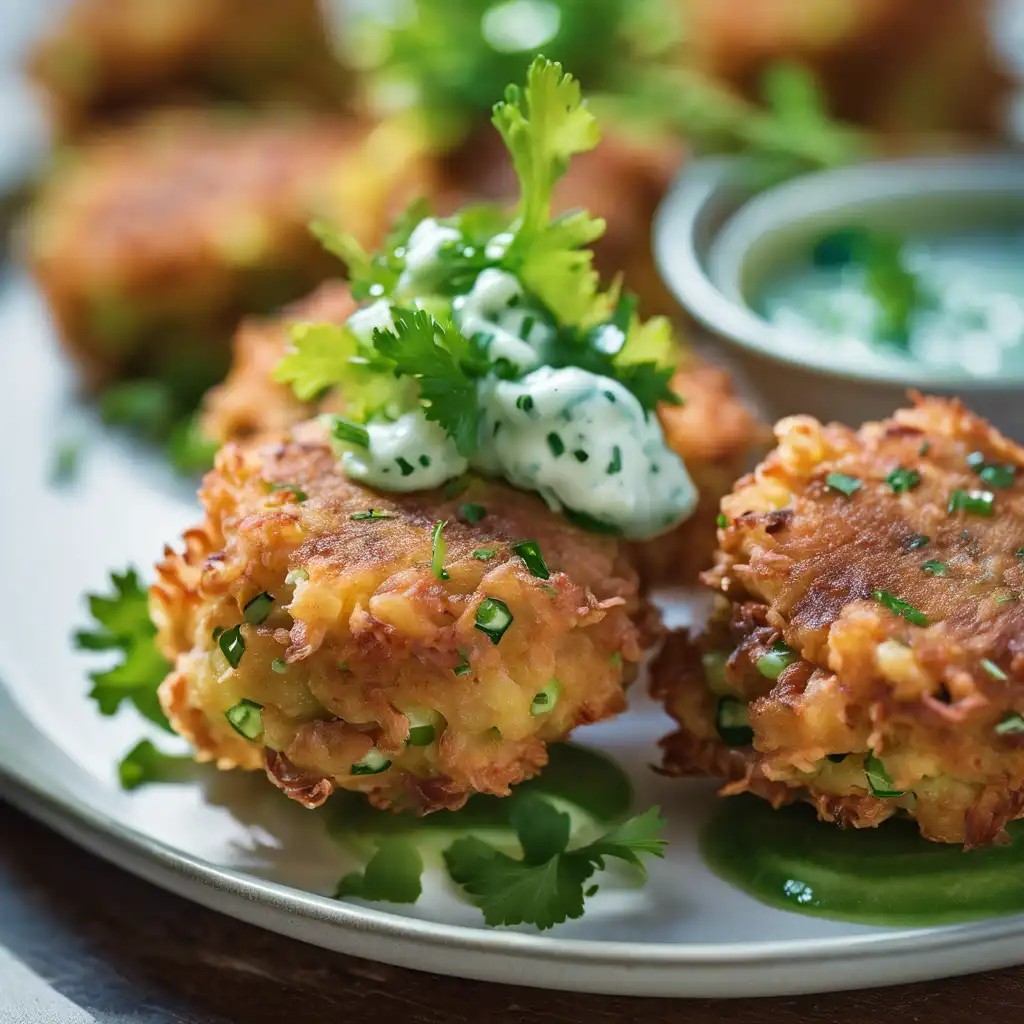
{"x": 126, "y": 952}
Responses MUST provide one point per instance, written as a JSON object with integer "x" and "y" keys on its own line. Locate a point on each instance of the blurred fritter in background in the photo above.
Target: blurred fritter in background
{"x": 194, "y": 139}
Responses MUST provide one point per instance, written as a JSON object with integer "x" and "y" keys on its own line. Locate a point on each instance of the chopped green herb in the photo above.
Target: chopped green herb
{"x": 422, "y": 731}
{"x": 925, "y": 448}
{"x": 556, "y": 444}
{"x": 547, "y": 886}
{"x": 529, "y": 552}
{"x": 934, "y": 568}
{"x": 549, "y": 590}
{"x": 580, "y": 455}
{"x": 456, "y": 486}
{"x": 343, "y": 666}
{"x": 439, "y": 551}
{"x": 472, "y": 513}
{"x": 777, "y": 660}
{"x": 232, "y": 644}
{"x": 591, "y": 523}
{"x": 902, "y": 480}
{"x": 994, "y": 670}
{"x": 425, "y": 461}
{"x": 1006, "y": 598}
{"x": 372, "y": 763}
{"x": 296, "y": 576}
{"x": 246, "y": 718}
{"x": 493, "y": 618}
{"x": 879, "y": 781}
{"x": 484, "y": 554}
{"x": 65, "y": 463}
{"x": 615, "y": 659}
{"x": 1000, "y": 477}
{"x": 279, "y": 665}
{"x": 842, "y": 483}
{"x": 392, "y": 875}
{"x": 722, "y": 520}
{"x": 145, "y": 763}
{"x": 373, "y": 514}
{"x": 1011, "y": 724}
{"x": 894, "y": 604}
{"x": 919, "y": 540}
{"x": 546, "y": 699}
{"x": 300, "y": 495}
{"x": 405, "y": 466}
{"x": 1020, "y": 553}
{"x": 615, "y": 466}
{"x": 525, "y": 403}
{"x": 464, "y": 668}
{"x": 349, "y": 432}
{"x": 979, "y": 503}
{"x": 217, "y": 630}
{"x": 733, "y": 722}
{"x": 837, "y": 758}
{"x": 258, "y": 609}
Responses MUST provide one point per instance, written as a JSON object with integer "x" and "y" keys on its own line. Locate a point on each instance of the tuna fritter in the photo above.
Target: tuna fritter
{"x": 379, "y": 666}
{"x": 712, "y": 430}
{"x": 151, "y": 241}
{"x": 867, "y": 651}
{"x": 105, "y": 57}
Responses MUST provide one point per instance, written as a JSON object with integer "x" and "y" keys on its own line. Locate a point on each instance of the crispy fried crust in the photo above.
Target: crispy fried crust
{"x": 373, "y": 632}
{"x": 105, "y": 57}
{"x": 800, "y": 562}
{"x": 713, "y": 430}
{"x": 154, "y": 239}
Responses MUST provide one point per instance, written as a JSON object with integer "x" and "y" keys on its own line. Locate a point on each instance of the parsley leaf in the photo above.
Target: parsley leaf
{"x": 123, "y": 625}
{"x": 145, "y": 763}
{"x": 545, "y": 887}
{"x": 393, "y": 874}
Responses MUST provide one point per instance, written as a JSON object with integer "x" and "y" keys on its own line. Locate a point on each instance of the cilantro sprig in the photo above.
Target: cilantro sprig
{"x": 547, "y": 885}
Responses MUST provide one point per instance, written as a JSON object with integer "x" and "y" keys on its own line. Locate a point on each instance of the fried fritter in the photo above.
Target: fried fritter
{"x": 373, "y": 659}
{"x": 107, "y": 57}
{"x": 712, "y": 430}
{"x": 867, "y": 652}
{"x": 153, "y": 240}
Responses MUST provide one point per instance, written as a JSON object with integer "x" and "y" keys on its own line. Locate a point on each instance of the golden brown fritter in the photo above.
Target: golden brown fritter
{"x": 364, "y": 640}
{"x": 712, "y": 430}
{"x": 153, "y": 240}
{"x": 892, "y": 65}
{"x": 898, "y": 606}
{"x": 106, "y": 57}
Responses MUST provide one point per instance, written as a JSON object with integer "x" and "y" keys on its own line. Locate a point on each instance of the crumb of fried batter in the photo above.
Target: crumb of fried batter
{"x": 364, "y": 634}
{"x": 901, "y": 614}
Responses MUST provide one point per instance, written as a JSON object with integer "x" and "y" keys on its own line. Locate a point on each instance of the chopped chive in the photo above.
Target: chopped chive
{"x": 258, "y": 609}
{"x": 777, "y": 660}
{"x": 217, "y": 631}
{"x": 615, "y": 466}
{"x": 348, "y": 432}
{"x": 372, "y": 763}
{"x": 65, "y": 463}
{"x": 919, "y": 540}
{"x": 421, "y": 728}
{"x": 979, "y": 503}
{"x": 935, "y": 568}
{"x": 525, "y": 403}
{"x": 843, "y": 483}
{"x": 424, "y": 461}
{"x": 300, "y": 495}
{"x": 343, "y": 666}
{"x": 894, "y": 604}
{"x": 1020, "y": 552}
{"x": 232, "y": 644}
{"x": 246, "y": 718}
{"x": 464, "y": 667}
{"x": 296, "y": 576}
{"x": 976, "y": 460}
{"x": 588, "y": 522}
{"x": 529, "y": 552}
{"x": 1011, "y": 724}
{"x": 580, "y": 455}
{"x": 1000, "y": 477}
{"x": 994, "y": 670}
{"x": 615, "y": 659}
{"x": 373, "y": 514}
{"x": 837, "y": 758}
{"x": 549, "y": 590}
{"x": 722, "y": 520}
{"x": 925, "y": 448}
{"x": 1006, "y": 598}
{"x": 456, "y": 486}
{"x": 405, "y": 466}
{"x": 493, "y": 618}
{"x": 279, "y": 665}
{"x": 902, "y": 480}
{"x": 556, "y": 445}
{"x": 879, "y": 780}
{"x": 714, "y": 664}
{"x": 545, "y": 701}
{"x": 472, "y": 513}
{"x": 439, "y": 551}
{"x": 733, "y": 722}
{"x": 483, "y": 554}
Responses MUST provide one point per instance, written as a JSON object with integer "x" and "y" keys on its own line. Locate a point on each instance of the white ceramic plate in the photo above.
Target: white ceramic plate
{"x": 230, "y": 842}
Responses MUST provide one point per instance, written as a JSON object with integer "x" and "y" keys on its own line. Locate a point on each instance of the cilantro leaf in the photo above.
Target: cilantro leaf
{"x": 546, "y": 887}
{"x": 123, "y": 625}
{"x": 393, "y": 874}
{"x": 145, "y": 763}
{"x": 367, "y": 275}
{"x": 422, "y": 348}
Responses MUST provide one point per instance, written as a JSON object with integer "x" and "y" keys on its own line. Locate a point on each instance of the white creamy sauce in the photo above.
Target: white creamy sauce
{"x": 509, "y": 331}
{"x": 583, "y": 442}
{"x": 422, "y": 267}
{"x": 376, "y": 316}
{"x": 410, "y": 454}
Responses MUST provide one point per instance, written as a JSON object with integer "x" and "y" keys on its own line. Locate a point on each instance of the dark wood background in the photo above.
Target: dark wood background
{"x": 129, "y": 953}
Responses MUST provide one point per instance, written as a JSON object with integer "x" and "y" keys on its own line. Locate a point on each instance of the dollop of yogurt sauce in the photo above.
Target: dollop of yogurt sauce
{"x": 580, "y": 440}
